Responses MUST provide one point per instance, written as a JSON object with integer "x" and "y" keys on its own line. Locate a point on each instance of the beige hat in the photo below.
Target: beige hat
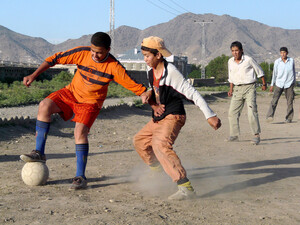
{"x": 156, "y": 43}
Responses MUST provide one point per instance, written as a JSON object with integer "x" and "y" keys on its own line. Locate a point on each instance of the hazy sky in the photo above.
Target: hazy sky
{"x": 59, "y": 20}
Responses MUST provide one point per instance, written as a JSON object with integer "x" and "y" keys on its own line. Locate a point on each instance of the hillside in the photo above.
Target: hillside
{"x": 183, "y": 35}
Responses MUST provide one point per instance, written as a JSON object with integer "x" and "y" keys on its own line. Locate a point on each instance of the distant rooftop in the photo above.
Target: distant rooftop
{"x": 134, "y": 54}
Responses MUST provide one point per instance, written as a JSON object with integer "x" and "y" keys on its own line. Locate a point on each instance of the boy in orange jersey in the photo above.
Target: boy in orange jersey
{"x": 83, "y": 97}
{"x": 154, "y": 142}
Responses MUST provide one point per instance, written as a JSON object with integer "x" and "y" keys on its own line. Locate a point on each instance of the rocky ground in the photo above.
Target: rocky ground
{"x": 236, "y": 183}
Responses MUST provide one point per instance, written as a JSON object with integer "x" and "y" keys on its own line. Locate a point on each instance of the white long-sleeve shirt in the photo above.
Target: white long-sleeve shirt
{"x": 284, "y": 74}
{"x": 244, "y": 71}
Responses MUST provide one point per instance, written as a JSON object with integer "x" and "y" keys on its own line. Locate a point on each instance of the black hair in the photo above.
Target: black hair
{"x": 101, "y": 39}
{"x": 237, "y": 44}
{"x": 152, "y": 50}
{"x": 284, "y": 49}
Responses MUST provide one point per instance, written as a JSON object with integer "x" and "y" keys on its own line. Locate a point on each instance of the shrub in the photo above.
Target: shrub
{"x": 118, "y": 91}
{"x": 17, "y": 94}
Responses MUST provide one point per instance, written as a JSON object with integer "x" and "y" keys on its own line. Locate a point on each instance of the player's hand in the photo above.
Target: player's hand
{"x": 28, "y": 80}
{"x": 271, "y": 89}
{"x": 146, "y": 96}
{"x": 214, "y": 122}
{"x": 264, "y": 87}
{"x": 158, "y": 109}
{"x": 229, "y": 93}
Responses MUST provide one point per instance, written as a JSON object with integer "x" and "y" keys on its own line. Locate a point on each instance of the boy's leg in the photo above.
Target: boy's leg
{"x": 42, "y": 129}
{"x": 252, "y": 110}
{"x": 142, "y": 142}
{"x": 46, "y": 108}
{"x": 235, "y": 108}
{"x": 80, "y": 181}
{"x": 290, "y": 95}
{"x": 82, "y": 148}
{"x": 253, "y": 114}
{"x": 277, "y": 93}
{"x": 164, "y": 136}
{"x": 85, "y": 115}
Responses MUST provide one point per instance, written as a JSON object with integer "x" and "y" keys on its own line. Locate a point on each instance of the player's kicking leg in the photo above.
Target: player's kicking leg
{"x": 46, "y": 108}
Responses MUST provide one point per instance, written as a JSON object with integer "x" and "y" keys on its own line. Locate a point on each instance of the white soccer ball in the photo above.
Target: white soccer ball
{"x": 35, "y": 173}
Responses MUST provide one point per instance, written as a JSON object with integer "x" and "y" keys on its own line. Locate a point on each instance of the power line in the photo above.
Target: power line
{"x": 161, "y": 7}
{"x": 179, "y": 6}
{"x": 169, "y": 6}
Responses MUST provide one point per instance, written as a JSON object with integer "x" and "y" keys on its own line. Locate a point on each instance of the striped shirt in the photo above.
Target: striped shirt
{"x": 91, "y": 80}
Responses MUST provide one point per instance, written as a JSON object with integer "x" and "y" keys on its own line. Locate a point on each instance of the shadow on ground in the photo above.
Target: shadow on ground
{"x": 273, "y": 174}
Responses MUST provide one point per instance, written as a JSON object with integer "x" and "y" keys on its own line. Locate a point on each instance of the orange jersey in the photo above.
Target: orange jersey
{"x": 91, "y": 80}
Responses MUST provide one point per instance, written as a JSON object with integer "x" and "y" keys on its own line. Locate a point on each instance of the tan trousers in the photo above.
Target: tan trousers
{"x": 242, "y": 94}
{"x": 154, "y": 143}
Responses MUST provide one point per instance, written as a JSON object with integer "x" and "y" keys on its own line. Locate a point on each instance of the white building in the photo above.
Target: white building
{"x": 133, "y": 59}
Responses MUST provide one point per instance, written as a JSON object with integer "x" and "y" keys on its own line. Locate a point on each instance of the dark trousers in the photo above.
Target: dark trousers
{"x": 289, "y": 95}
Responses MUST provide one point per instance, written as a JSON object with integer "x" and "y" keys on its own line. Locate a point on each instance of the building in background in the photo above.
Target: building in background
{"x": 15, "y": 71}
{"x": 133, "y": 61}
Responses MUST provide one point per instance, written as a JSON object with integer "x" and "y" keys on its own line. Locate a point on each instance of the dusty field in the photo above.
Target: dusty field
{"x": 236, "y": 183}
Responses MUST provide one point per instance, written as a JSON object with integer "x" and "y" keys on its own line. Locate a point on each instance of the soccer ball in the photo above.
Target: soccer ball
{"x": 35, "y": 173}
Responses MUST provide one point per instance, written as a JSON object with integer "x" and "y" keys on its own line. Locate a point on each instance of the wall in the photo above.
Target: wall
{"x": 13, "y": 73}
{"x": 139, "y": 76}
{"x": 197, "y": 82}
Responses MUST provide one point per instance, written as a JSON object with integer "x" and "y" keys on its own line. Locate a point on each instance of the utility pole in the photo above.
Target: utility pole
{"x": 202, "y": 23}
{"x": 112, "y": 24}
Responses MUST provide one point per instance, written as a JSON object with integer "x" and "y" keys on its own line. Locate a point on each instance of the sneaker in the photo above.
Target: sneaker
{"x": 78, "y": 183}
{"x": 157, "y": 168}
{"x": 288, "y": 121}
{"x": 255, "y": 140}
{"x": 232, "y": 139}
{"x": 269, "y": 119}
{"x": 34, "y": 156}
{"x": 182, "y": 194}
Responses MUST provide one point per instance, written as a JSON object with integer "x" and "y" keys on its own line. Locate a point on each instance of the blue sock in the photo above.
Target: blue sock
{"x": 82, "y": 151}
{"x": 42, "y": 129}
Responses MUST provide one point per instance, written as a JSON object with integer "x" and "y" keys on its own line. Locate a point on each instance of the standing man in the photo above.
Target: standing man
{"x": 284, "y": 78}
{"x": 242, "y": 79}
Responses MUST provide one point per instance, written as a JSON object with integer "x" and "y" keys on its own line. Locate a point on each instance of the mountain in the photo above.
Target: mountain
{"x": 183, "y": 36}
{"x": 21, "y": 48}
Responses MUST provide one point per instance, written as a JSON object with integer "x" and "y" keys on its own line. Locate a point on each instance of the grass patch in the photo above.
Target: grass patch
{"x": 216, "y": 88}
{"x": 16, "y": 94}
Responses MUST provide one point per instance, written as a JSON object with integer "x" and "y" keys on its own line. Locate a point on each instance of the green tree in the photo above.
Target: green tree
{"x": 268, "y": 70}
{"x": 195, "y": 71}
{"x": 218, "y": 68}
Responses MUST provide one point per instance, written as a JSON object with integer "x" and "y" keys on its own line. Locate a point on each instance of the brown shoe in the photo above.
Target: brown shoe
{"x": 34, "y": 156}
{"x": 78, "y": 183}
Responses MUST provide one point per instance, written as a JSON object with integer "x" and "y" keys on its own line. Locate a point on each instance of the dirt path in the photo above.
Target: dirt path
{"x": 236, "y": 183}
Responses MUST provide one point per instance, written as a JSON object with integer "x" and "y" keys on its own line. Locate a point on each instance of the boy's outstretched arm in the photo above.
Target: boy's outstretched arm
{"x": 29, "y": 79}
{"x": 214, "y": 122}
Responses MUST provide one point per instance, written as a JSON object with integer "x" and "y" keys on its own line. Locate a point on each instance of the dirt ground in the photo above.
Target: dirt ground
{"x": 236, "y": 183}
